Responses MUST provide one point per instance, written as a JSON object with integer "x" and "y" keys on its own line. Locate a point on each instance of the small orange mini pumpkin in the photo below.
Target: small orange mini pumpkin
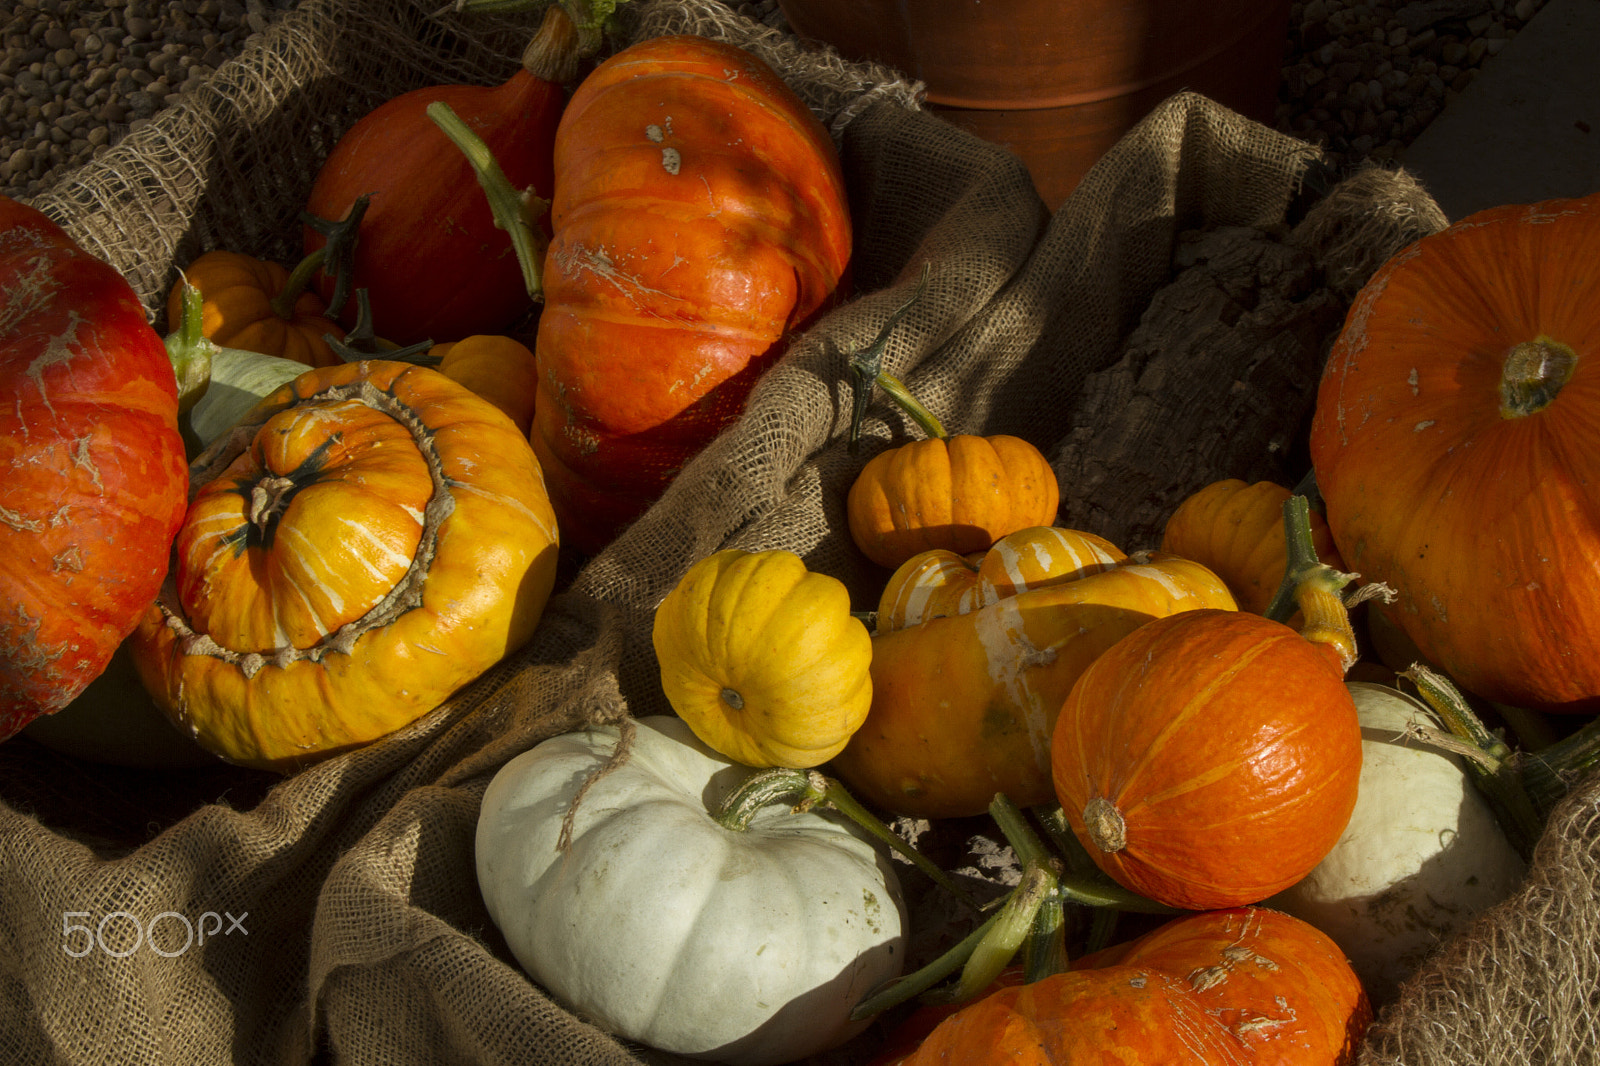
{"x": 252, "y": 304}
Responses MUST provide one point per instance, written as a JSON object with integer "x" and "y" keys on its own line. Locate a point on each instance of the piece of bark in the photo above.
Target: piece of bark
{"x": 1217, "y": 381}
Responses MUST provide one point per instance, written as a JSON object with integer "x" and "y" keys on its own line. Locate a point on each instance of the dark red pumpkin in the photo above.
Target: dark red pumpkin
{"x": 428, "y": 252}
{"x": 699, "y": 220}
{"x": 96, "y": 481}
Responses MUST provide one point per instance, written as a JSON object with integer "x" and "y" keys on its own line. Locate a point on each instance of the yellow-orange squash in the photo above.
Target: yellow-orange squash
{"x": 963, "y": 706}
{"x": 501, "y": 369}
{"x": 763, "y": 659}
{"x": 376, "y": 538}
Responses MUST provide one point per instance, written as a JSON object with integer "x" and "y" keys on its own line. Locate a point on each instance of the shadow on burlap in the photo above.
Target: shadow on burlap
{"x": 364, "y": 937}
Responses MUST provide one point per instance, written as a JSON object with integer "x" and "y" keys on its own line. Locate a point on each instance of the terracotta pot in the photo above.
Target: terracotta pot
{"x": 1059, "y": 81}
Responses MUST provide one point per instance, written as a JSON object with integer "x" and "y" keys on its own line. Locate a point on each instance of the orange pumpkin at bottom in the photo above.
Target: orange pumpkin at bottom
{"x": 1209, "y": 759}
{"x": 1239, "y": 987}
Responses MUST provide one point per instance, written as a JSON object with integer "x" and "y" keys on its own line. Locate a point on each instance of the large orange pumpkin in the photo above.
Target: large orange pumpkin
{"x": 1243, "y": 987}
{"x": 369, "y": 539}
{"x": 95, "y": 478}
{"x": 699, "y": 220}
{"x": 1209, "y": 759}
{"x": 1456, "y": 443}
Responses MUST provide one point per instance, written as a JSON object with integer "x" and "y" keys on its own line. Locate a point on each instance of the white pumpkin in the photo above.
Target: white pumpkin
{"x": 661, "y": 926}
{"x": 1422, "y": 854}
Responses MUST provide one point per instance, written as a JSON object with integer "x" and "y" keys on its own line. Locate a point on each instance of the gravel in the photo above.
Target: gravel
{"x": 1362, "y": 79}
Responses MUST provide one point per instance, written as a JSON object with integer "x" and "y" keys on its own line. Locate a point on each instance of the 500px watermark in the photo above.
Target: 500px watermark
{"x": 79, "y": 940}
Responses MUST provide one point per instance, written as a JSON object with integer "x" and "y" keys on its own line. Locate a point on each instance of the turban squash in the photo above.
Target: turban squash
{"x": 369, "y": 539}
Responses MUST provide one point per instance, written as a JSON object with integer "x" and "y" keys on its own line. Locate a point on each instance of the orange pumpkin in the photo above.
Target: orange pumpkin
{"x": 963, "y": 706}
{"x": 1209, "y": 759}
{"x": 250, "y": 304}
{"x": 1236, "y": 529}
{"x": 961, "y": 493}
{"x": 1244, "y": 986}
{"x": 699, "y": 220}
{"x": 500, "y": 369}
{"x": 371, "y": 538}
{"x": 1456, "y": 443}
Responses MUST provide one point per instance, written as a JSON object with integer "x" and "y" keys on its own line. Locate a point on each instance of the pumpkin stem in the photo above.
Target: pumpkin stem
{"x": 589, "y": 18}
{"x": 902, "y": 989}
{"x": 805, "y": 789}
{"x": 1313, "y": 587}
{"x": 515, "y": 211}
{"x": 552, "y": 54}
{"x": 362, "y": 342}
{"x": 866, "y": 371}
{"x": 1497, "y": 775}
{"x": 1549, "y": 772}
{"x": 1533, "y": 374}
{"x": 336, "y": 256}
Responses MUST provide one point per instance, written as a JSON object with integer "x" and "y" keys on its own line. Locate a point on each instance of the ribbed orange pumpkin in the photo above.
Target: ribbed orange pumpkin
{"x": 95, "y": 481}
{"x": 1456, "y": 443}
{"x": 961, "y": 493}
{"x": 1236, "y": 529}
{"x": 1209, "y": 759}
{"x": 699, "y": 220}
{"x": 1242, "y": 987}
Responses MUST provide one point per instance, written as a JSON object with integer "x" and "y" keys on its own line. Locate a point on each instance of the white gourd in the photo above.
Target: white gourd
{"x": 1422, "y": 854}
{"x": 663, "y": 927}
{"x": 239, "y": 380}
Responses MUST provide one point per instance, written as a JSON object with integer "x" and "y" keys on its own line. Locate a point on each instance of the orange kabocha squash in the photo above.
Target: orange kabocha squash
{"x": 699, "y": 220}
{"x": 95, "y": 482}
{"x": 1456, "y": 444}
{"x": 1211, "y": 758}
{"x": 370, "y": 538}
{"x": 963, "y": 705}
{"x": 1242, "y": 987}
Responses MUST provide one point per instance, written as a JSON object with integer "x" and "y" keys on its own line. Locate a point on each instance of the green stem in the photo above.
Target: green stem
{"x": 866, "y": 373}
{"x": 1312, "y": 587}
{"x": 362, "y": 342}
{"x": 338, "y": 252}
{"x": 516, "y": 212}
{"x": 1548, "y": 774}
{"x": 1496, "y": 775}
{"x": 903, "y": 989}
{"x": 191, "y": 352}
{"x": 804, "y": 789}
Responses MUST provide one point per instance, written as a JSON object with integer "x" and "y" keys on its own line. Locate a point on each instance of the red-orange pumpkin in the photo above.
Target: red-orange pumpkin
{"x": 96, "y": 480}
{"x": 1209, "y": 759}
{"x": 1456, "y": 443}
{"x": 699, "y": 220}
{"x": 1243, "y": 987}
{"x": 429, "y": 254}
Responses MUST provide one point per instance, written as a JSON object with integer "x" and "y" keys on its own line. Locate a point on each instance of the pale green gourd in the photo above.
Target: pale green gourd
{"x": 1421, "y": 855}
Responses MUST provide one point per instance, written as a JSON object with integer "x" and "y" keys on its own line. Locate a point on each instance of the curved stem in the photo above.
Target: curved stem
{"x": 1496, "y": 775}
{"x": 336, "y": 254}
{"x": 902, "y": 989}
{"x": 1312, "y": 587}
{"x": 361, "y": 342}
{"x": 191, "y": 352}
{"x": 1549, "y": 772}
{"x": 514, "y": 211}
{"x": 866, "y": 373}
{"x": 804, "y": 789}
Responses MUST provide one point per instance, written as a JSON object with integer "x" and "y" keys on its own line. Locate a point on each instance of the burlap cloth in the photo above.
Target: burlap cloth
{"x": 361, "y": 935}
